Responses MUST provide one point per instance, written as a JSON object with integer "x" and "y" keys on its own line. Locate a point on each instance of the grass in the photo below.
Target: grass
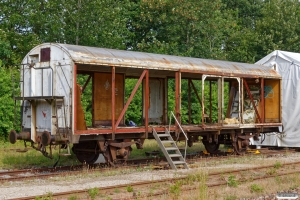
{"x": 232, "y": 182}
{"x": 11, "y": 159}
{"x": 277, "y": 165}
{"x": 129, "y": 188}
{"x": 93, "y": 192}
{"x": 256, "y": 188}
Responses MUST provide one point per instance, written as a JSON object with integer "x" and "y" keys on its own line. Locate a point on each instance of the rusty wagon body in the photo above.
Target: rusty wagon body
{"x": 52, "y": 112}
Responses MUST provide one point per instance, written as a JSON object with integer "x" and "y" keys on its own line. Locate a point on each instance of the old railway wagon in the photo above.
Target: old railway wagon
{"x": 52, "y": 112}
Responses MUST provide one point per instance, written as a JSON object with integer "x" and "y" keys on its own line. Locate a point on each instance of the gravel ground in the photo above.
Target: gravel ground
{"x": 36, "y": 187}
{"x": 43, "y": 186}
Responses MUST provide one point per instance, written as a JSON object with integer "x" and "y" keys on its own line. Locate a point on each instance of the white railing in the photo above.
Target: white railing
{"x": 186, "y": 138}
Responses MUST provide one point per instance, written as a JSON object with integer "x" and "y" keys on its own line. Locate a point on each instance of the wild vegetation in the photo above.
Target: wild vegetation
{"x": 237, "y": 30}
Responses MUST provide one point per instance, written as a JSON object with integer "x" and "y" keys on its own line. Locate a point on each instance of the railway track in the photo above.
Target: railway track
{"x": 186, "y": 182}
{"x": 213, "y": 180}
{"x": 156, "y": 163}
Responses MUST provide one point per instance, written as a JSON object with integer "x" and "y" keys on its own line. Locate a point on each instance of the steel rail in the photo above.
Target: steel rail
{"x": 157, "y": 163}
{"x": 146, "y": 184}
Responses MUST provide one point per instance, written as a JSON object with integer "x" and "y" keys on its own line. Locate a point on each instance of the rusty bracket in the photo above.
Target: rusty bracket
{"x": 102, "y": 145}
{"x": 245, "y": 137}
{"x": 121, "y": 144}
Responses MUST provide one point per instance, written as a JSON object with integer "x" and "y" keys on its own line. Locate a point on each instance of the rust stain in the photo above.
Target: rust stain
{"x": 237, "y": 68}
{"x": 191, "y": 64}
{"x": 166, "y": 61}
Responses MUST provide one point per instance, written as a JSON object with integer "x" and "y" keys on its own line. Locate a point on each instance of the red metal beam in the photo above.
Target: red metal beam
{"x": 147, "y": 105}
{"x": 210, "y": 103}
{"x": 130, "y": 98}
{"x": 74, "y": 97}
{"x": 189, "y": 99}
{"x": 177, "y": 96}
{"x": 113, "y": 99}
{"x": 262, "y": 97}
{"x": 252, "y": 101}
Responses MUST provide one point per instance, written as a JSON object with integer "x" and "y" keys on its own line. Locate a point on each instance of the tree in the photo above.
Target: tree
{"x": 280, "y": 26}
{"x": 243, "y": 43}
{"x": 187, "y": 28}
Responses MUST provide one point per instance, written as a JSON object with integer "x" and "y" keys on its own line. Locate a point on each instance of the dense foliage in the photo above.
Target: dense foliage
{"x": 236, "y": 30}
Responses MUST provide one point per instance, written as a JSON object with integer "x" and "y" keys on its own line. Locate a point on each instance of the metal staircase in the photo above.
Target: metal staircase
{"x": 170, "y": 149}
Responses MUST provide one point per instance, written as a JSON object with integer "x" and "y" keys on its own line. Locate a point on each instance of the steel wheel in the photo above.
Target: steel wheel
{"x": 211, "y": 147}
{"x": 86, "y": 152}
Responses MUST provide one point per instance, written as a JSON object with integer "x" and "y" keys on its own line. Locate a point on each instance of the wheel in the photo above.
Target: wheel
{"x": 86, "y": 152}
{"x": 211, "y": 147}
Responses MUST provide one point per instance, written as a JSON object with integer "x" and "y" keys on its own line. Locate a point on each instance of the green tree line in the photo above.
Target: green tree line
{"x": 236, "y": 30}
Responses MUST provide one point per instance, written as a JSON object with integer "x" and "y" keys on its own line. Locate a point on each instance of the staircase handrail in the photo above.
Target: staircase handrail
{"x": 186, "y": 138}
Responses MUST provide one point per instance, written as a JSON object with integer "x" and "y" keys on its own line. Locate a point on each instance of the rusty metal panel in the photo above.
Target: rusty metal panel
{"x": 272, "y": 101}
{"x": 103, "y": 99}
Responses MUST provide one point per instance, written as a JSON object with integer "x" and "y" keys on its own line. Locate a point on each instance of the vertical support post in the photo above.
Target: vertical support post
{"x": 241, "y": 100}
{"x": 210, "y": 103}
{"x": 165, "y": 100}
{"x": 203, "y": 80}
{"x": 147, "y": 105}
{"x": 222, "y": 99}
{"x": 262, "y": 97}
{"x": 113, "y": 101}
{"x": 281, "y": 98}
{"x": 240, "y": 104}
{"x": 177, "y": 95}
{"x": 74, "y": 98}
{"x": 33, "y": 121}
{"x": 219, "y": 100}
{"x": 189, "y": 99}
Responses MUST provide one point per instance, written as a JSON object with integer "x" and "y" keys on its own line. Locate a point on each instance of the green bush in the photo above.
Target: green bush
{"x": 7, "y": 106}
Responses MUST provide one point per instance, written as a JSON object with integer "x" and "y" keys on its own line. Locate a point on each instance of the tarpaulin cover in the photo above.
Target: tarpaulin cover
{"x": 287, "y": 64}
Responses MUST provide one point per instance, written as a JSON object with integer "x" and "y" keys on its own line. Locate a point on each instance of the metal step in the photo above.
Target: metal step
{"x": 163, "y": 135}
{"x": 179, "y": 162}
{"x": 171, "y": 148}
{"x": 175, "y": 155}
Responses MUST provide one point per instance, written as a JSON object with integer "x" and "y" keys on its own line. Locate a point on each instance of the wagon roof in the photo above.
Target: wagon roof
{"x": 123, "y": 58}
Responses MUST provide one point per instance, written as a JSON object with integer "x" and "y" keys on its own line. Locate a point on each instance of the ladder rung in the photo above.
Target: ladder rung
{"x": 179, "y": 162}
{"x": 171, "y": 148}
{"x": 163, "y": 135}
{"x": 175, "y": 155}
